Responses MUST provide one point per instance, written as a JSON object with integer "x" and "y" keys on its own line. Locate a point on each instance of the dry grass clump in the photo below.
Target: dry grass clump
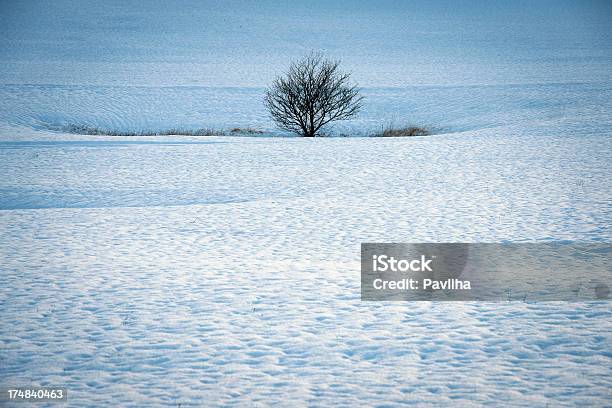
{"x": 96, "y": 131}
{"x": 90, "y": 130}
{"x": 403, "y": 131}
{"x": 246, "y": 131}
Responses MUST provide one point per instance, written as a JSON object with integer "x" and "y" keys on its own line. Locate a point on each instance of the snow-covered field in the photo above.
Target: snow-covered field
{"x": 213, "y": 271}
{"x": 221, "y": 271}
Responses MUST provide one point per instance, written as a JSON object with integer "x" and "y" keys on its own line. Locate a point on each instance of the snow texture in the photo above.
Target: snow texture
{"x": 221, "y": 271}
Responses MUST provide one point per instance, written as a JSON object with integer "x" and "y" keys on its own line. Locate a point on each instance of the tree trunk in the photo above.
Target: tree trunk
{"x": 308, "y": 131}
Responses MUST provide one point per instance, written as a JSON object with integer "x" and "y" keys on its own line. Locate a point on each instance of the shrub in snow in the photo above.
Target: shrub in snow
{"x": 312, "y": 94}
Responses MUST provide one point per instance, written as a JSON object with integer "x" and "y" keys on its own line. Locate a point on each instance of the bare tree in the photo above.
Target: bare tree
{"x": 312, "y": 94}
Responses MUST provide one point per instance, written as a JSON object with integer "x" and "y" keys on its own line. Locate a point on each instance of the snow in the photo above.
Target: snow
{"x": 565, "y": 108}
{"x": 216, "y": 271}
{"x": 226, "y": 270}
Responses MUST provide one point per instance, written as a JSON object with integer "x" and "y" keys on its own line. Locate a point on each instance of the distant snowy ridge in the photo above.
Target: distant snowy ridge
{"x": 580, "y": 108}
